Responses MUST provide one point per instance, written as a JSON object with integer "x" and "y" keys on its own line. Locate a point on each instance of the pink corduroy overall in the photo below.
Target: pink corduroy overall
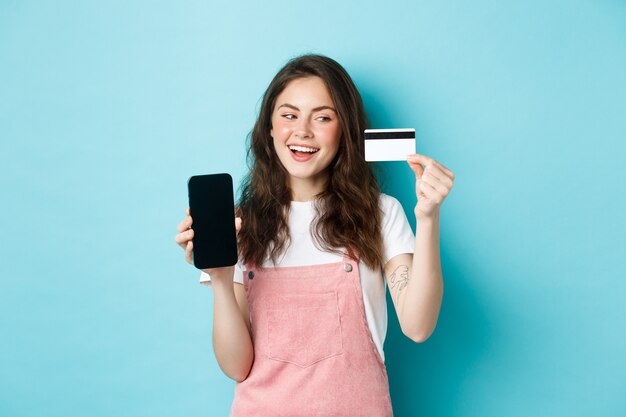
{"x": 313, "y": 352}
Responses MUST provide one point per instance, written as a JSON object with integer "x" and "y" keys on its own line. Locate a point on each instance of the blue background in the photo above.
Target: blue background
{"x": 106, "y": 108}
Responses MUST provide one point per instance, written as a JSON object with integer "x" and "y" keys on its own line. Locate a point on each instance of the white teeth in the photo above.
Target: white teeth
{"x": 303, "y": 149}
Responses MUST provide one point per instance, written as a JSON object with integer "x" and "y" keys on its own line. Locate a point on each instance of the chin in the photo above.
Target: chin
{"x": 304, "y": 174}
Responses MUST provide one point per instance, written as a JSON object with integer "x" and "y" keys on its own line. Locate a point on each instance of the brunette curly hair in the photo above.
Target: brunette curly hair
{"x": 348, "y": 213}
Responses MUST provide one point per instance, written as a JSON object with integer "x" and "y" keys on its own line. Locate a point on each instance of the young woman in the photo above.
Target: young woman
{"x": 300, "y": 322}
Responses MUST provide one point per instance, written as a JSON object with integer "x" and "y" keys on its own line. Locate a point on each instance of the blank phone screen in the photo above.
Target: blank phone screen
{"x": 212, "y": 209}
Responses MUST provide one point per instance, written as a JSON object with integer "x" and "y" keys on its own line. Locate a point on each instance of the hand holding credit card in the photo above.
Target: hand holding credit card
{"x": 389, "y": 144}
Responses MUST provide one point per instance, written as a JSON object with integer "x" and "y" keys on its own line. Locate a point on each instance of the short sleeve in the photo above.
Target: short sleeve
{"x": 205, "y": 279}
{"x": 397, "y": 234}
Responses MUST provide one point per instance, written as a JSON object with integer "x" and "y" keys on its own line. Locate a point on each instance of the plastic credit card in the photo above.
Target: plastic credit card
{"x": 389, "y": 144}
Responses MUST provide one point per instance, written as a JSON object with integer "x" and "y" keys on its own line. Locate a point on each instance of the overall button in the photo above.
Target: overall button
{"x": 347, "y": 268}
{"x": 250, "y": 275}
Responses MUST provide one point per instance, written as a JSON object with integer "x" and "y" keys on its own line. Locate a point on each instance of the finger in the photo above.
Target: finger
{"x": 188, "y": 212}
{"x": 238, "y": 224}
{"x": 426, "y": 161}
{"x": 417, "y": 158}
{"x": 434, "y": 182}
{"x": 416, "y": 168}
{"x": 439, "y": 165}
{"x": 184, "y": 237}
{"x": 430, "y": 193}
{"x": 189, "y": 252}
{"x": 185, "y": 224}
{"x": 179, "y": 239}
{"x": 436, "y": 172}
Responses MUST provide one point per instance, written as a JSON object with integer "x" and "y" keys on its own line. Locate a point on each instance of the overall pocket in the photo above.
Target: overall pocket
{"x": 304, "y": 329}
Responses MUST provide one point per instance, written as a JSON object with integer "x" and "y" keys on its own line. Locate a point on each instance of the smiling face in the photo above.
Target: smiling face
{"x": 306, "y": 133}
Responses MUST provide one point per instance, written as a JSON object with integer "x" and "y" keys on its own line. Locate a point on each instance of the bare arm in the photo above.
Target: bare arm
{"x": 415, "y": 281}
{"x": 232, "y": 340}
{"x": 416, "y": 284}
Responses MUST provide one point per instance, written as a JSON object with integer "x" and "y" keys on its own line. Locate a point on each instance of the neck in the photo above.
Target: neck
{"x": 306, "y": 189}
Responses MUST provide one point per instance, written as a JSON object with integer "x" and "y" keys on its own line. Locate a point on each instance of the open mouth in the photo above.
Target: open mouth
{"x": 301, "y": 150}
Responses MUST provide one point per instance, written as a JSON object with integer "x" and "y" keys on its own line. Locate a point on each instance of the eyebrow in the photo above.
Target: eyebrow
{"x": 291, "y": 106}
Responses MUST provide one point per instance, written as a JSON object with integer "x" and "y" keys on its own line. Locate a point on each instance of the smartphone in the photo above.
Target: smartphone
{"x": 212, "y": 209}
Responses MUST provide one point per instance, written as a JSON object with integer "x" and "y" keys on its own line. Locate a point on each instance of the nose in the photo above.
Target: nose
{"x": 303, "y": 130}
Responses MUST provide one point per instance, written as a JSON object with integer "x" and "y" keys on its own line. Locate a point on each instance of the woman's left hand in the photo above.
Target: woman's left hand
{"x": 433, "y": 183}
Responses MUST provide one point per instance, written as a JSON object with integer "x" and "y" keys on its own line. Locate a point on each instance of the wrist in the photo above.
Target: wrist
{"x": 432, "y": 217}
{"x": 221, "y": 277}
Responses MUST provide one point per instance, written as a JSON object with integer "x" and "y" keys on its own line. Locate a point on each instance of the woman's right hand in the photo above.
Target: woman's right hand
{"x": 184, "y": 238}
{"x": 232, "y": 340}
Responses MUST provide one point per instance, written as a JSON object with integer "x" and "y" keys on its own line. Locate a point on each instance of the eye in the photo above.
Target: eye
{"x": 289, "y": 116}
{"x": 324, "y": 118}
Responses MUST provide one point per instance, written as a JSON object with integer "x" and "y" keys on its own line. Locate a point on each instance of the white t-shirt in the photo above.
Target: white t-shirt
{"x": 398, "y": 238}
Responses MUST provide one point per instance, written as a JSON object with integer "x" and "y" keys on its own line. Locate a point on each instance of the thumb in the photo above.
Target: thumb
{"x": 238, "y": 224}
{"x": 417, "y": 168}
